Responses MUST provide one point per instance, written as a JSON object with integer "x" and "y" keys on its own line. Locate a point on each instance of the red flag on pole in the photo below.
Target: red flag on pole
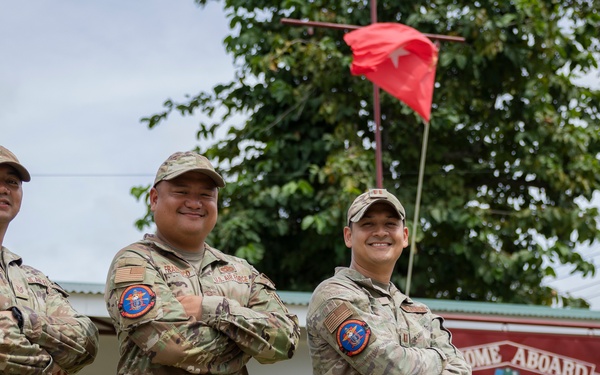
{"x": 397, "y": 58}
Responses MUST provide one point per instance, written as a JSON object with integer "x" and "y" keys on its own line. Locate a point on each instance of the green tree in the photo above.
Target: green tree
{"x": 513, "y": 147}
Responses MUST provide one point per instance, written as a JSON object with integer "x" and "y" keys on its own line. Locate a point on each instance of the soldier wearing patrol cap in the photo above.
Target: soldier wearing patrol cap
{"x": 41, "y": 333}
{"x": 182, "y": 307}
{"x": 358, "y": 322}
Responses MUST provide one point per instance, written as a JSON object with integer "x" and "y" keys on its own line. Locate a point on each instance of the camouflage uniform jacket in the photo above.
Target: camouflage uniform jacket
{"x": 55, "y": 339}
{"x": 242, "y": 315}
{"x": 356, "y": 327}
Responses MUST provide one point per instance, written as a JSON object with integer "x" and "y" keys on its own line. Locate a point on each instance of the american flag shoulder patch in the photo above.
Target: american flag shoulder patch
{"x": 337, "y": 316}
{"x": 129, "y": 274}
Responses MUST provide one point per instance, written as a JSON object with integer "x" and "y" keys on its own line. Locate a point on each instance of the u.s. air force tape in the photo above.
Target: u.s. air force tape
{"x": 353, "y": 336}
{"x": 136, "y": 301}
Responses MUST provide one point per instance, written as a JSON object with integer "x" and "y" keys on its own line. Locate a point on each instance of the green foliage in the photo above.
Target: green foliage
{"x": 514, "y": 144}
{"x": 142, "y": 192}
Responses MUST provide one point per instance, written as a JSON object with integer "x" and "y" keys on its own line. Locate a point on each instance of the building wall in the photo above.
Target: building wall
{"x": 107, "y": 358}
{"x": 299, "y": 364}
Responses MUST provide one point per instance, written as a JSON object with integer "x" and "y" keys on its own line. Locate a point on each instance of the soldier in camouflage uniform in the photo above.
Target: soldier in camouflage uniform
{"x": 40, "y": 333}
{"x": 358, "y": 322}
{"x": 182, "y": 307}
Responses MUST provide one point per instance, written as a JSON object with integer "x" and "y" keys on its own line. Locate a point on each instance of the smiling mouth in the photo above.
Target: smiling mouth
{"x": 195, "y": 214}
{"x": 380, "y": 244}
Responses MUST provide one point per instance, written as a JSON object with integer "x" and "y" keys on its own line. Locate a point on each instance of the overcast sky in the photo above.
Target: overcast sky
{"x": 75, "y": 79}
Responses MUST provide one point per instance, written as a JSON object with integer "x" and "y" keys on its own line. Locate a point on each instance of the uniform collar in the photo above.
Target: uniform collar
{"x": 9, "y": 257}
{"x": 367, "y": 283}
{"x": 210, "y": 255}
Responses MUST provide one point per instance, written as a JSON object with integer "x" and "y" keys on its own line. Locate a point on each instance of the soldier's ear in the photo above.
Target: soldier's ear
{"x": 405, "y": 236}
{"x": 348, "y": 237}
{"x": 153, "y": 198}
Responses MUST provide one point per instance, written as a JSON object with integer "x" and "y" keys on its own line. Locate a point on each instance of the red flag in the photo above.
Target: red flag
{"x": 397, "y": 58}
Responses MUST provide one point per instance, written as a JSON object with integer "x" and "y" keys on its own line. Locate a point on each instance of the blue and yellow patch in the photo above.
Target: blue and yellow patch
{"x": 136, "y": 301}
{"x": 353, "y": 336}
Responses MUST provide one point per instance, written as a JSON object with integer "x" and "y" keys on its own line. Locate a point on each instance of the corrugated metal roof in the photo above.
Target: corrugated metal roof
{"x": 295, "y": 298}
{"x": 437, "y": 305}
{"x": 83, "y": 288}
{"x": 509, "y": 309}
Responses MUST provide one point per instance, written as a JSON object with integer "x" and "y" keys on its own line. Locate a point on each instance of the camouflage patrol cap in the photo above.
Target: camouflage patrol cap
{"x": 183, "y": 162}
{"x": 362, "y": 203}
{"x": 7, "y": 157}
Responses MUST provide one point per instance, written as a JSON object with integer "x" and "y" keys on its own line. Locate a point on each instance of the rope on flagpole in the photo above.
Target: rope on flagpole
{"x": 417, "y": 207}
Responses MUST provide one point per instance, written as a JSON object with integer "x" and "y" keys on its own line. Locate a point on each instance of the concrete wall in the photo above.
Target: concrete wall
{"x": 299, "y": 364}
{"x": 107, "y": 358}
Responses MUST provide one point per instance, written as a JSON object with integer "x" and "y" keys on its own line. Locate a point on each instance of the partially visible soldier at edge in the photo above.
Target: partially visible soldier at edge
{"x": 182, "y": 307}
{"x": 358, "y": 322}
{"x": 40, "y": 332}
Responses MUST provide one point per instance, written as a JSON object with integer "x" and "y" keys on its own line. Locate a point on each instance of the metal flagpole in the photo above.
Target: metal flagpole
{"x": 377, "y": 118}
{"x": 377, "y": 115}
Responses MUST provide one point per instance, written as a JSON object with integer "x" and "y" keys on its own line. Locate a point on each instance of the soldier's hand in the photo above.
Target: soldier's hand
{"x": 57, "y": 370}
{"x": 192, "y": 305}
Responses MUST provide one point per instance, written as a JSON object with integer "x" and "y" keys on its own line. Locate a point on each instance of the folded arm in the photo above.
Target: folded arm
{"x": 69, "y": 337}
{"x": 17, "y": 354}
{"x": 263, "y": 329}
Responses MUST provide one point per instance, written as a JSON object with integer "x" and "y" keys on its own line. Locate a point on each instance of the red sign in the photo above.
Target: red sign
{"x": 518, "y": 353}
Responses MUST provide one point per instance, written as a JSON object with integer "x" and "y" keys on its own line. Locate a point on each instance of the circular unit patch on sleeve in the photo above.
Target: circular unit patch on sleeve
{"x": 353, "y": 336}
{"x": 136, "y": 301}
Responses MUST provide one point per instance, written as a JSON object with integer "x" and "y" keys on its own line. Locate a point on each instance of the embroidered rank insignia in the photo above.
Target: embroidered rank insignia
{"x": 136, "y": 301}
{"x": 353, "y": 337}
{"x": 227, "y": 269}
